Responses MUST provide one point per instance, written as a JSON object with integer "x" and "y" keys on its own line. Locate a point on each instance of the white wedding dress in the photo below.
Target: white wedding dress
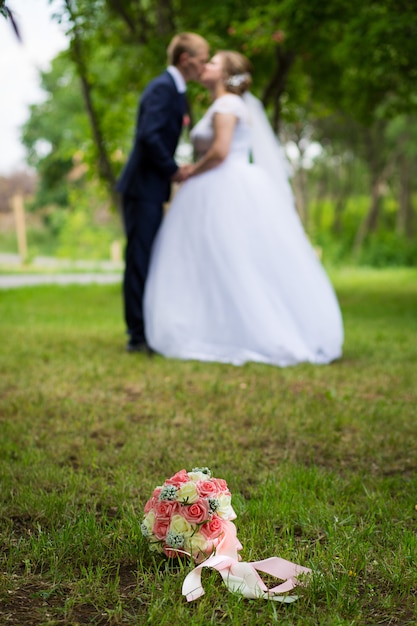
{"x": 233, "y": 277}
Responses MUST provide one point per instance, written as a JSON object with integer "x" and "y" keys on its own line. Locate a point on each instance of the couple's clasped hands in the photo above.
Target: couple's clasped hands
{"x": 183, "y": 173}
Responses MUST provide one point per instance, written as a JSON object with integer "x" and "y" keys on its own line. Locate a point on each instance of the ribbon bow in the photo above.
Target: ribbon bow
{"x": 243, "y": 577}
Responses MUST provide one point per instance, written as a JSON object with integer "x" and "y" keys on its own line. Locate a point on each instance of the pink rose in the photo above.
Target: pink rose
{"x": 178, "y": 479}
{"x": 221, "y": 486}
{"x": 153, "y": 501}
{"x": 160, "y": 528}
{"x": 207, "y": 488}
{"x": 165, "y": 509}
{"x": 196, "y": 513}
{"x": 214, "y": 528}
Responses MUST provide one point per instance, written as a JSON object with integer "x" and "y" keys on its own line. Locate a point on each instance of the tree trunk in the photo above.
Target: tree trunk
{"x": 165, "y": 18}
{"x": 338, "y": 212}
{"x": 405, "y": 214}
{"x": 379, "y": 170}
{"x": 371, "y": 219}
{"x": 277, "y": 84}
{"x": 346, "y": 186}
{"x": 104, "y": 164}
{"x": 301, "y": 197}
{"x": 320, "y": 197}
{"x": 138, "y": 26}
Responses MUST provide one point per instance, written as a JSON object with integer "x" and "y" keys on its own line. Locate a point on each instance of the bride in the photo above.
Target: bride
{"x": 233, "y": 277}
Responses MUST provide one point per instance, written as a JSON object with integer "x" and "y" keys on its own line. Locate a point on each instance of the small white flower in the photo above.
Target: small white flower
{"x": 213, "y": 504}
{"x": 168, "y": 492}
{"x": 174, "y": 540}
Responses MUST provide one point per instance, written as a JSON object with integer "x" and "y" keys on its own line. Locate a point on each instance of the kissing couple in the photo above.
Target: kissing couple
{"x": 228, "y": 274}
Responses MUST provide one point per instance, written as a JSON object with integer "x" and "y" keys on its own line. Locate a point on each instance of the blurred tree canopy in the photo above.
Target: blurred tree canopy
{"x": 336, "y": 72}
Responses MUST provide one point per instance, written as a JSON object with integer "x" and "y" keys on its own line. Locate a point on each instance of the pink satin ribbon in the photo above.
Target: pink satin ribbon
{"x": 242, "y": 577}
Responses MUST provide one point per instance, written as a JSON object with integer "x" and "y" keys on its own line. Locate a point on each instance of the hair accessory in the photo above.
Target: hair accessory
{"x": 237, "y": 79}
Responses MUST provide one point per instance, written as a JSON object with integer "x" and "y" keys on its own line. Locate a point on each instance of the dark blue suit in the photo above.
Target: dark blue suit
{"x": 145, "y": 186}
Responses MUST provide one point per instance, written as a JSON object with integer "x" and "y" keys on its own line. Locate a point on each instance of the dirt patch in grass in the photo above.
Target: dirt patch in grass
{"x": 32, "y": 604}
{"x": 38, "y": 602}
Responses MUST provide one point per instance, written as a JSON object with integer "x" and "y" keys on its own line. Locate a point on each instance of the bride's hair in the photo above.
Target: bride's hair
{"x": 237, "y": 69}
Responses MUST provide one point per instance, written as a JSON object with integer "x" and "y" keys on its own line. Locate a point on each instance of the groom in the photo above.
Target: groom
{"x": 145, "y": 182}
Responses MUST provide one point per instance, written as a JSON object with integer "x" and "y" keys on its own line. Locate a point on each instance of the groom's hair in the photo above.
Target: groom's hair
{"x": 185, "y": 42}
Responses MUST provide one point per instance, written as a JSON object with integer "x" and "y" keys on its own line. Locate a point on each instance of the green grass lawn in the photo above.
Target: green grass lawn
{"x": 321, "y": 462}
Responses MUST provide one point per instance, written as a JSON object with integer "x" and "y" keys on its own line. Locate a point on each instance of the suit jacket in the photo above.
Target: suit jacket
{"x": 151, "y": 164}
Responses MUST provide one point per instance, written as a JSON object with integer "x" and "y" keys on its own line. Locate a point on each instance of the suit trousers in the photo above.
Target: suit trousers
{"x": 142, "y": 219}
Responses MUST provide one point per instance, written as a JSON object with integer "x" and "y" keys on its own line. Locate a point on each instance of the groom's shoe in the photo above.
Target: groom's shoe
{"x": 139, "y": 347}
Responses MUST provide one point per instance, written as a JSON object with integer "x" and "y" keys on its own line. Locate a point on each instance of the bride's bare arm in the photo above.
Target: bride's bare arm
{"x": 223, "y": 126}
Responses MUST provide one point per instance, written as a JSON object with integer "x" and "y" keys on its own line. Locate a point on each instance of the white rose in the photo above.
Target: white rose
{"x": 148, "y": 522}
{"x": 187, "y": 493}
{"x": 195, "y": 476}
{"x": 155, "y": 546}
{"x": 196, "y": 543}
{"x": 225, "y": 509}
{"x": 180, "y": 526}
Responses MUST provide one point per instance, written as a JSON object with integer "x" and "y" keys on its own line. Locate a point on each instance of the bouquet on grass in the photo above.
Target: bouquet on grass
{"x": 191, "y": 514}
{"x": 188, "y": 514}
